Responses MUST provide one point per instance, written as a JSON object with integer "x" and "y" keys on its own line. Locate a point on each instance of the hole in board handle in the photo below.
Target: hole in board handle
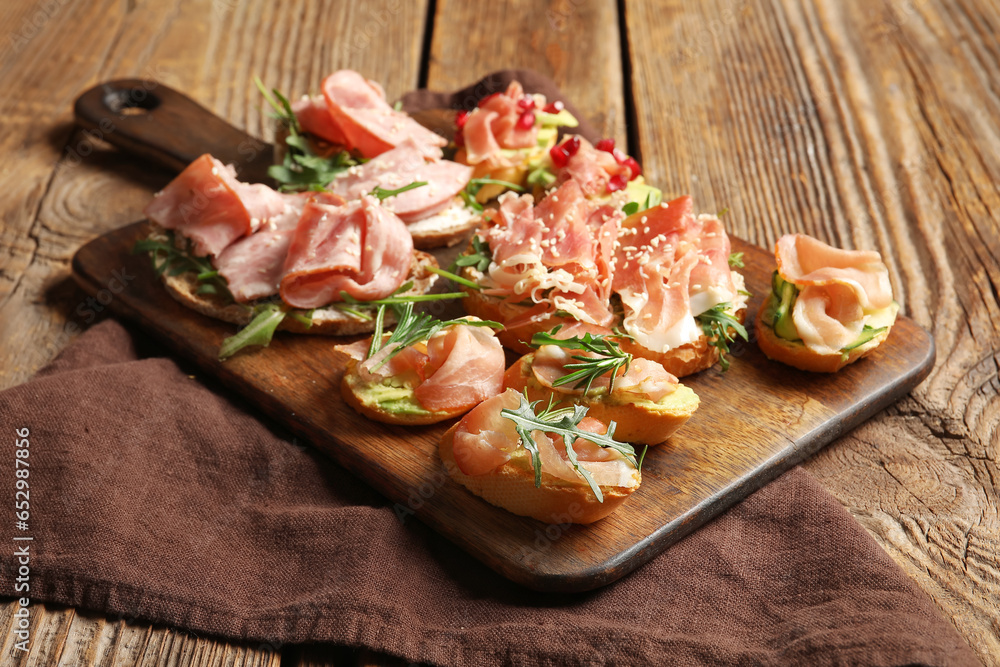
{"x": 133, "y": 101}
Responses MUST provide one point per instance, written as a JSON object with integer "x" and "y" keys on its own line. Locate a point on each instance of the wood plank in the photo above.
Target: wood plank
{"x": 209, "y": 49}
{"x": 575, "y": 43}
{"x": 724, "y": 453}
{"x": 866, "y": 126}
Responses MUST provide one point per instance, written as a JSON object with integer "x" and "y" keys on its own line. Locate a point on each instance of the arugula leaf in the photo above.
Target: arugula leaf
{"x": 455, "y": 278}
{"x": 382, "y": 194}
{"x": 630, "y": 208}
{"x": 412, "y": 328}
{"x": 541, "y": 177}
{"x": 266, "y": 319}
{"x": 563, "y": 422}
{"x": 173, "y": 261}
{"x": 736, "y": 260}
{"x": 480, "y": 257}
{"x": 476, "y": 184}
{"x": 610, "y": 358}
{"x": 716, "y": 323}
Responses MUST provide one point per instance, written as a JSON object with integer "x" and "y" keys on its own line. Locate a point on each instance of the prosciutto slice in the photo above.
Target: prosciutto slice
{"x": 368, "y": 123}
{"x": 207, "y": 205}
{"x": 401, "y": 166}
{"x": 253, "y": 266}
{"x": 359, "y": 248}
{"x": 837, "y": 290}
{"x": 494, "y": 125}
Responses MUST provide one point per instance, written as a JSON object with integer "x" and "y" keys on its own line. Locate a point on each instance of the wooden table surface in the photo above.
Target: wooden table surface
{"x": 865, "y": 123}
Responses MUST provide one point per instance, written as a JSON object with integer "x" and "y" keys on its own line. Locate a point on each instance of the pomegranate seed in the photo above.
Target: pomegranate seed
{"x": 554, "y": 107}
{"x": 526, "y": 102}
{"x": 559, "y": 155}
{"x": 572, "y": 145}
{"x": 606, "y": 145}
{"x": 459, "y": 137}
{"x": 527, "y": 120}
{"x": 460, "y": 119}
{"x": 620, "y": 157}
{"x": 486, "y": 99}
{"x": 617, "y": 182}
{"x": 631, "y": 163}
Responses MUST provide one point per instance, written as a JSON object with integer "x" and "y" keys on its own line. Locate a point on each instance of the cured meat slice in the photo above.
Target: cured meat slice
{"x": 399, "y": 167}
{"x": 465, "y": 365}
{"x": 206, "y": 204}
{"x": 496, "y": 125}
{"x": 368, "y": 123}
{"x": 253, "y": 266}
{"x": 485, "y": 439}
{"x": 359, "y": 248}
{"x": 804, "y": 260}
{"x": 315, "y": 118}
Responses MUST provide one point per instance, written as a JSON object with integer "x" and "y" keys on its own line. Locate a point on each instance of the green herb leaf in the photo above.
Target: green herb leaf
{"x": 168, "y": 259}
{"x": 630, "y": 208}
{"x": 541, "y": 177}
{"x": 716, "y": 323}
{"x": 480, "y": 257}
{"x": 412, "y": 328}
{"x": 381, "y": 193}
{"x": 609, "y": 358}
{"x": 736, "y": 260}
{"x": 259, "y": 332}
{"x": 563, "y": 422}
{"x": 492, "y": 181}
{"x": 455, "y": 278}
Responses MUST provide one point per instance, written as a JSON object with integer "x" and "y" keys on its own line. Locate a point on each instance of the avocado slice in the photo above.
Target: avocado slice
{"x": 785, "y": 296}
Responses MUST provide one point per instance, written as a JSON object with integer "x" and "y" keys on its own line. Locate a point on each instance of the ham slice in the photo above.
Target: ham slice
{"x": 591, "y": 169}
{"x": 484, "y": 439}
{"x": 253, "y": 266}
{"x": 494, "y": 126}
{"x": 368, "y": 123}
{"x": 207, "y": 205}
{"x": 359, "y": 248}
{"x": 315, "y": 118}
{"x": 838, "y": 289}
{"x": 401, "y": 166}
{"x": 465, "y": 365}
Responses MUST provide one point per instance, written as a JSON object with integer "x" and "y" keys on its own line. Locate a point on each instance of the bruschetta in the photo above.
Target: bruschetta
{"x": 557, "y": 467}
{"x": 827, "y": 307}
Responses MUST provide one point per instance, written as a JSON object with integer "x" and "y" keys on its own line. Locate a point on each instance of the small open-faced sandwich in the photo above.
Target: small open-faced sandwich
{"x": 306, "y": 262}
{"x": 662, "y": 274}
{"x": 557, "y": 466}
{"x": 585, "y": 364}
{"x": 425, "y": 371}
{"x": 350, "y": 141}
{"x": 827, "y": 307}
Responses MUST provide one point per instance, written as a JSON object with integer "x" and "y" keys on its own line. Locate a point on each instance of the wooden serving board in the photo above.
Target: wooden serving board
{"x": 755, "y": 421}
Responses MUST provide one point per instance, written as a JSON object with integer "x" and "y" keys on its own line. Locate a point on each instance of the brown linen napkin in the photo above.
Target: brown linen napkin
{"x": 156, "y": 496}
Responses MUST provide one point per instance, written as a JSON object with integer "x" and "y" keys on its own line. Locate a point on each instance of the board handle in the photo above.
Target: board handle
{"x": 155, "y": 122}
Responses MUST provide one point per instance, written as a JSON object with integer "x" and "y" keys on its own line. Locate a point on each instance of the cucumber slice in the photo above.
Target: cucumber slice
{"x": 783, "y": 325}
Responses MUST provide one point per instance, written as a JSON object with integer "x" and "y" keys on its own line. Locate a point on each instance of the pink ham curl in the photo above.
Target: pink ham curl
{"x": 359, "y": 248}
{"x": 206, "y": 204}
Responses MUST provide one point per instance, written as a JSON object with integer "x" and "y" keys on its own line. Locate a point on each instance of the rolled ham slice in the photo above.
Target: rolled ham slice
{"x": 359, "y": 248}
{"x": 399, "y": 167}
{"x": 368, "y": 123}
{"x": 315, "y": 118}
{"x": 207, "y": 205}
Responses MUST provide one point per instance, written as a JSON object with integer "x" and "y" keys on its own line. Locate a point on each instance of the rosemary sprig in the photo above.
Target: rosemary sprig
{"x": 480, "y": 257}
{"x": 610, "y": 358}
{"x": 716, "y": 323}
{"x": 412, "y": 328}
{"x": 563, "y": 422}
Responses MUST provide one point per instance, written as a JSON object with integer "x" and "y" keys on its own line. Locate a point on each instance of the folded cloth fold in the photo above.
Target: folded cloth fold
{"x": 157, "y": 496}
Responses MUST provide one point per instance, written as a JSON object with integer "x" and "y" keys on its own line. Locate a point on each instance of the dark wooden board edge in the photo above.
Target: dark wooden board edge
{"x": 601, "y": 573}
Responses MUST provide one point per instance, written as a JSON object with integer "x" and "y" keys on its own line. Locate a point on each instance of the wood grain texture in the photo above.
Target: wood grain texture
{"x": 575, "y": 43}
{"x": 61, "y": 187}
{"x": 867, "y": 125}
{"x": 725, "y": 452}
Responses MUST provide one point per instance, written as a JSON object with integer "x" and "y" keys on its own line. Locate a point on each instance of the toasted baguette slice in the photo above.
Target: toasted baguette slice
{"x": 680, "y": 361}
{"x": 512, "y": 487}
{"x": 329, "y": 320}
{"x": 797, "y": 355}
{"x": 447, "y": 228}
{"x": 640, "y": 422}
{"x": 389, "y": 405}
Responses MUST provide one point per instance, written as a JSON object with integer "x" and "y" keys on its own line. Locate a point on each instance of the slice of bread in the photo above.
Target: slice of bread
{"x": 329, "y": 320}
{"x": 512, "y": 487}
{"x": 640, "y": 422}
{"x": 403, "y": 409}
{"x": 797, "y": 355}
